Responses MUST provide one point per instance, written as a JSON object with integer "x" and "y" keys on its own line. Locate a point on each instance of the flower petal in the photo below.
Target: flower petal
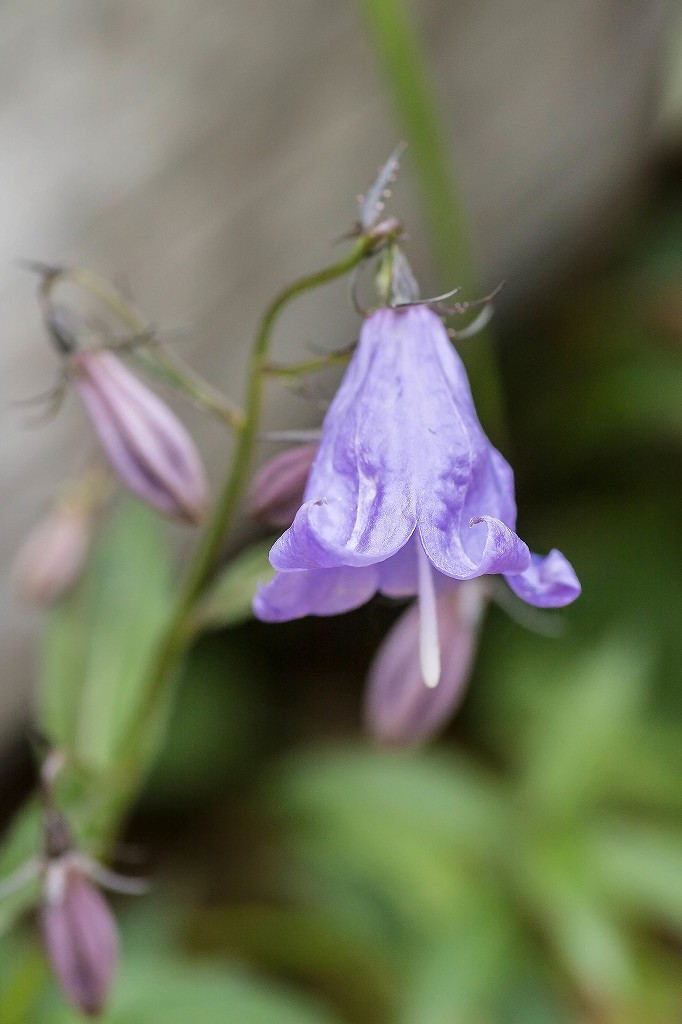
{"x": 399, "y": 708}
{"x": 291, "y": 595}
{"x": 498, "y": 549}
{"x": 398, "y": 576}
{"x": 548, "y": 582}
{"x": 80, "y": 938}
{"x": 145, "y": 441}
{"x": 401, "y": 444}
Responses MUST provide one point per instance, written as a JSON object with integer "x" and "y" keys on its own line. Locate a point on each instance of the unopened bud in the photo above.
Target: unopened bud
{"x": 145, "y": 442}
{"x": 399, "y": 708}
{"x": 53, "y": 555}
{"x": 80, "y": 938}
{"x": 277, "y": 490}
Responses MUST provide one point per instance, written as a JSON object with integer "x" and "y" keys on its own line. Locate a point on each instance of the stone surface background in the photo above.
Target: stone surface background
{"x": 206, "y": 151}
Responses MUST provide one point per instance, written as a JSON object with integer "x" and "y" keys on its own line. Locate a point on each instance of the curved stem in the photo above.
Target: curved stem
{"x": 177, "y": 636}
{"x": 313, "y": 365}
{"x": 405, "y": 67}
{"x": 156, "y": 359}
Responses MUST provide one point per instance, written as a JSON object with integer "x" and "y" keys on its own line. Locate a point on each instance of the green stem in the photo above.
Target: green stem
{"x": 177, "y": 636}
{"x": 296, "y": 370}
{"x": 404, "y": 65}
{"x": 154, "y": 357}
{"x": 168, "y": 366}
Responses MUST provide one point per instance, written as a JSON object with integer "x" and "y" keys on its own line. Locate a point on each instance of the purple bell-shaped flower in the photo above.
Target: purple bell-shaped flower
{"x": 406, "y": 494}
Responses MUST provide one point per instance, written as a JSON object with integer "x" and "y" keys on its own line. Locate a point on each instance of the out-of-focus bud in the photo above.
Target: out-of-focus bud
{"x": 78, "y": 928}
{"x": 53, "y": 555}
{"x": 277, "y": 490}
{"x": 399, "y": 708}
{"x": 80, "y": 938}
{"x": 145, "y": 442}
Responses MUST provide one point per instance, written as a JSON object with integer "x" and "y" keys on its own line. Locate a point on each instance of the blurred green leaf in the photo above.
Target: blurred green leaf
{"x": 581, "y": 730}
{"x": 528, "y": 997}
{"x": 459, "y": 978}
{"x": 561, "y": 888}
{"x": 22, "y": 841}
{"x": 23, "y": 975}
{"x": 638, "y": 402}
{"x": 446, "y": 798}
{"x": 100, "y": 638}
{"x": 228, "y": 601}
{"x": 641, "y": 866}
{"x": 415, "y": 829}
{"x": 311, "y": 943}
{"x": 175, "y": 992}
{"x": 213, "y": 724}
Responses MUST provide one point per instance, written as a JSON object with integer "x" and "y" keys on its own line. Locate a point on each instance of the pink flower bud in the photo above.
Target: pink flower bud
{"x": 81, "y": 941}
{"x": 53, "y": 555}
{"x": 146, "y": 444}
{"x": 277, "y": 490}
{"x": 399, "y": 707}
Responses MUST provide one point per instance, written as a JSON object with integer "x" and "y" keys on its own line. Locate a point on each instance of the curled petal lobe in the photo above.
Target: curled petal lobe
{"x": 548, "y": 582}
{"x": 399, "y": 708}
{"x": 497, "y": 549}
{"x": 146, "y": 444}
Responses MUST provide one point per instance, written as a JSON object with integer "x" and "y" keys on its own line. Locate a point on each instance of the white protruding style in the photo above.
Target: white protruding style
{"x": 429, "y": 646}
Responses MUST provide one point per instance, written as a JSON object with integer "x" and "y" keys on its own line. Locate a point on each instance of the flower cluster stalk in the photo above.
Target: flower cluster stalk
{"x": 178, "y": 634}
{"x": 165, "y": 363}
{"x": 405, "y": 67}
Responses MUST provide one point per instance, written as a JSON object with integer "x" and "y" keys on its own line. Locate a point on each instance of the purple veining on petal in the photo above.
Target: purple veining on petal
{"x": 401, "y": 446}
{"x": 402, "y": 450}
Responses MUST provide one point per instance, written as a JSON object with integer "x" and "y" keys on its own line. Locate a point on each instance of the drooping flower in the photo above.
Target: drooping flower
{"x": 406, "y": 494}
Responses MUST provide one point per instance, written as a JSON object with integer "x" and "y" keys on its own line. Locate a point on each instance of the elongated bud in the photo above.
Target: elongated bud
{"x": 277, "y": 490}
{"x": 145, "y": 442}
{"x": 80, "y": 939}
{"x": 53, "y": 555}
{"x": 399, "y": 708}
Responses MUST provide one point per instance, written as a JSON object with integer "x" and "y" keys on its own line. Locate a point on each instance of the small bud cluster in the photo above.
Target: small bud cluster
{"x": 78, "y": 929}
{"x": 144, "y": 442}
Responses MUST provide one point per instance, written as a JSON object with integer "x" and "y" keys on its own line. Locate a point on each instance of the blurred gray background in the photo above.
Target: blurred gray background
{"x": 206, "y": 152}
